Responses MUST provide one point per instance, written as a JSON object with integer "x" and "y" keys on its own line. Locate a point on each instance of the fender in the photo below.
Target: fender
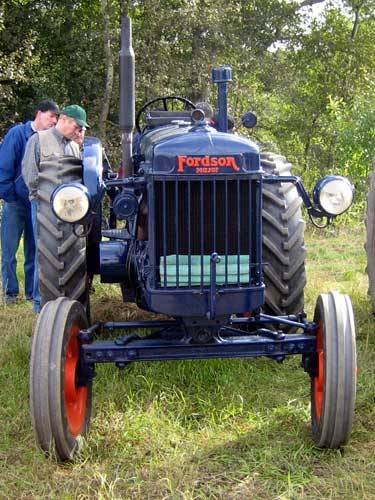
{"x": 93, "y": 167}
{"x": 93, "y": 180}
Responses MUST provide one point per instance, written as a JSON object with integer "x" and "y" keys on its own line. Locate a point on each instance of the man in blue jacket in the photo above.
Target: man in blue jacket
{"x": 16, "y": 215}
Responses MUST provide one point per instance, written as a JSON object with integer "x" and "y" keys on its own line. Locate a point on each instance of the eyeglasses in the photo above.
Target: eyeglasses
{"x": 77, "y": 128}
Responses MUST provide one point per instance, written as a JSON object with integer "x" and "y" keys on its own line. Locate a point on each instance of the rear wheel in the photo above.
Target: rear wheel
{"x": 60, "y": 400}
{"x": 61, "y": 251}
{"x": 333, "y": 383}
{"x": 283, "y": 241}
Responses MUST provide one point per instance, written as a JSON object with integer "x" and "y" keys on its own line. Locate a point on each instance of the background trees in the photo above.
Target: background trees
{"x": 310, "y": 80}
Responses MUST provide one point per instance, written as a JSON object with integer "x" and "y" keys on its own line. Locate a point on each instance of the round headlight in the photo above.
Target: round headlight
{"x": 334, "y": 194}
{"x": 71, "y": 202}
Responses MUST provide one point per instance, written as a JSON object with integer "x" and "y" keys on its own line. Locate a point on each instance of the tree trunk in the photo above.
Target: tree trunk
{"x": 309, "y": 3}
{"x": 106, "y": 6}
{"x": 125, "y": 7}
{"x": 355, "y": 24}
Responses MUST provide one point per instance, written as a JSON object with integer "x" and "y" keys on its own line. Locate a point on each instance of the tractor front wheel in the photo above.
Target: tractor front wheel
{"x": 60, "y": 398}
{"x": 333, "y": 381}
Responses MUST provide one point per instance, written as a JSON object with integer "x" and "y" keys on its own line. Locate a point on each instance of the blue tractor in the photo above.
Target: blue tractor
{"x": 211, "y": 237}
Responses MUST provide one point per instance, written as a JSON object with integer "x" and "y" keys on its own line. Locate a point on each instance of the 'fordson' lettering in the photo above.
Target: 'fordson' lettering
{"x": 207, "y": 164}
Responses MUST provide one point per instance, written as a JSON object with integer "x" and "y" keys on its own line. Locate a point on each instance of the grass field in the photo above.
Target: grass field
{"x": 231, "y": 429}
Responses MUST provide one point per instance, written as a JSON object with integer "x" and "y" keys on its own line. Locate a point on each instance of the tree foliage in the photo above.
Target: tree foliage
{"x": 310, "y": 80}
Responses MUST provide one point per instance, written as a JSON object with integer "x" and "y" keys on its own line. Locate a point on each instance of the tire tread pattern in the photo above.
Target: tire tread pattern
{"x": 283, "y": 241}
{"x": 61, "y": 253}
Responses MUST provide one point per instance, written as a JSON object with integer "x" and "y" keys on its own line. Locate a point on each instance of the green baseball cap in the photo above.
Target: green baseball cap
{"x": 77, "y": 113}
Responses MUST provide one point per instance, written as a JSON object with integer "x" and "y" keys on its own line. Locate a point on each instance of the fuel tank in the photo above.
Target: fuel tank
{"x": 199, "y": 149}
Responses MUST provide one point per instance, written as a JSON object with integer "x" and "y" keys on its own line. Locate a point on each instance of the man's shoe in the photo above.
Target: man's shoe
{"x": 10, "y": 299}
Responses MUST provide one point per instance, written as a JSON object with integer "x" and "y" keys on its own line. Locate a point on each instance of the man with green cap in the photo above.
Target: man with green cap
{"x": 50, "y": 145}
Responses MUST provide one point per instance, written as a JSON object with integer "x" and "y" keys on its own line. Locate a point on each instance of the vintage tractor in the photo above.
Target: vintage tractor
{"x": 211, "y": 238}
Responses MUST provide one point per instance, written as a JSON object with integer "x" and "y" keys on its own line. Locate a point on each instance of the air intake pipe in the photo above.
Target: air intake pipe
{"x": 222, "y": 76}
{"x": 127, "y": 95}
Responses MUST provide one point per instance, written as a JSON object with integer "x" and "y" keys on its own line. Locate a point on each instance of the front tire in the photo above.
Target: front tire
{"x": 333, "y": 383}
{"x": 61, "y": 253}
{"x": 60, "y": 406}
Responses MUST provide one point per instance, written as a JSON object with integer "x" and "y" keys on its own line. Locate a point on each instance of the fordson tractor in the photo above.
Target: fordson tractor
{"x": 205, "y": 231}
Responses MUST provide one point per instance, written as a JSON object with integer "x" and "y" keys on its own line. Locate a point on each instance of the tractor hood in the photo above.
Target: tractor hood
{"x": 197, "y": 150}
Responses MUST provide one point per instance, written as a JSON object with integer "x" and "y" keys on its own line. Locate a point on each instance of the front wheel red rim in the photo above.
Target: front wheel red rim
{"x": 319, "y": 379}
{"x": 75, "y": 397}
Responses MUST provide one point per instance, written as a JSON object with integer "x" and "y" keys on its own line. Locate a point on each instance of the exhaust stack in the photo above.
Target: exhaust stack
{"x": 127, "y": 95}
{"x": 222, "y": 76}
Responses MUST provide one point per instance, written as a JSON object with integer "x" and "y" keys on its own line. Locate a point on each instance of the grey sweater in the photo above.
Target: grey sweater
{"x": 54, "y": 146}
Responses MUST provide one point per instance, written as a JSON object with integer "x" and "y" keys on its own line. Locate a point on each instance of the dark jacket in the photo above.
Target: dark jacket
{"x": 12, "y": 185}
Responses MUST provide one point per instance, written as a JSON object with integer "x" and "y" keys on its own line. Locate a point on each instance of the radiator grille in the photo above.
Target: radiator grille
{"x": 194, "y": 218}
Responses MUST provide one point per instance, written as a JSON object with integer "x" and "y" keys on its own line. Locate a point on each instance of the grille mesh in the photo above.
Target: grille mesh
{"x": 199, "y": 217}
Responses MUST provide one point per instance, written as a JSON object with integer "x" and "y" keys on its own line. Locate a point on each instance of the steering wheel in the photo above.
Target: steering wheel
{"x": 164, "y": 101}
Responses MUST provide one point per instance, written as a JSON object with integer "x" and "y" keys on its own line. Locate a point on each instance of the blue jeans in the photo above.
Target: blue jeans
{"x": 16, "y": 220}
{"x": 36, "y": 291}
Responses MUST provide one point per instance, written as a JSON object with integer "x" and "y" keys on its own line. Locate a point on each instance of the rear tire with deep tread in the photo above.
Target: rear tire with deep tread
{"x": 283, "y": 241}
{"x": 61, "y": 253}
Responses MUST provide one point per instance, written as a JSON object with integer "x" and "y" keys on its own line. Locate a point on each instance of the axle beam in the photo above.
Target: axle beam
{"x": 133, "y": 348}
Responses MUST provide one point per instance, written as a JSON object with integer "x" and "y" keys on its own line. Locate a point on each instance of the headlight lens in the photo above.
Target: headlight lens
{"x": 71, "y": 202}
{"x": 334, "y": 194}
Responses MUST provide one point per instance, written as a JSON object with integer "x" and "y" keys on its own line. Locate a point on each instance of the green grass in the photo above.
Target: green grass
{"x": 221, "y": 429}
